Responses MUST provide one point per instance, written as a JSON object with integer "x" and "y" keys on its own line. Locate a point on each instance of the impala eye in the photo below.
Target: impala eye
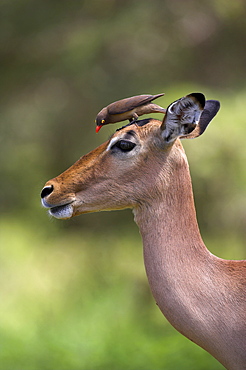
{"x": 124, "y": 145}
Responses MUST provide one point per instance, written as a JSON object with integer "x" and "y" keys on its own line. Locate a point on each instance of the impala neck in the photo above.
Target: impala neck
{"x": 169, "y": 229}
{"x": 168, "y": 221}
{"x": 195, "y": 290}
{"x": 178, "y": 265}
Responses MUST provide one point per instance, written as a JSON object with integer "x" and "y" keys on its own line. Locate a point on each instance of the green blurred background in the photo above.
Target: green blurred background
{"x": 73, "y": 294}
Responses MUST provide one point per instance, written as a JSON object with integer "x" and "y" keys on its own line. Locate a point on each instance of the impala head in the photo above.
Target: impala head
{"x": 134, "y": 163}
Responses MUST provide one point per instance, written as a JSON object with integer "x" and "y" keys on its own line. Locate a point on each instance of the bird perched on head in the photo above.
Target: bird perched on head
{"x": 129, "y": 108}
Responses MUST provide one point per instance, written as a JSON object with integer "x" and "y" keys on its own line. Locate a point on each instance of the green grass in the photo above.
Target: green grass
{"x": 74, "y": 301}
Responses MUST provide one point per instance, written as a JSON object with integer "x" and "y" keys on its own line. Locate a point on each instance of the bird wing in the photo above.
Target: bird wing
{"x": 127, "y": 104}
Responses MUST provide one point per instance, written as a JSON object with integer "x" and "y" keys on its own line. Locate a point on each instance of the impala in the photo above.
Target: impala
{"x": 143, "y": 166}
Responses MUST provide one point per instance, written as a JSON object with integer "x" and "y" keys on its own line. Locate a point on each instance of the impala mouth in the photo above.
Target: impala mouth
{"x": 62, "y": 211}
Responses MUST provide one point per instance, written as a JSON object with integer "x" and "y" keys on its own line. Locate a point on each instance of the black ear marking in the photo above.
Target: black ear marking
{"x": 210, "y": 110}
{"x": 182, "y": 116}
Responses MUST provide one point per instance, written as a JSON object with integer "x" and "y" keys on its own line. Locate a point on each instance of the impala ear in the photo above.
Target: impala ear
{"x": 182, "y": 116}
{"x": 210, "y": 110}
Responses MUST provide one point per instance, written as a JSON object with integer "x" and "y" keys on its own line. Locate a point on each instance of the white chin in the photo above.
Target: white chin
{"x": 62, "y": 212}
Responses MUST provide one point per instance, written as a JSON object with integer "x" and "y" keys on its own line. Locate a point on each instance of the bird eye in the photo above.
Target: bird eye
{"x": 103, "y": 121}
{"x": 124, "y": 145}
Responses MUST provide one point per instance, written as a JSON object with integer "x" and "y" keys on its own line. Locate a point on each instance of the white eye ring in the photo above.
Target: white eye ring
{"x": 111, "y": 143}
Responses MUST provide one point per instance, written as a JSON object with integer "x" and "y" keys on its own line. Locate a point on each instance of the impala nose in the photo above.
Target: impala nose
{"x": 47, "y": 190}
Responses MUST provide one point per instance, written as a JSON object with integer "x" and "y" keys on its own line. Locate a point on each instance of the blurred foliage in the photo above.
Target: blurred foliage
{"x": 62, "y": 62}
{"x": 72, "y": 302}
{"x": 66, "y": 293}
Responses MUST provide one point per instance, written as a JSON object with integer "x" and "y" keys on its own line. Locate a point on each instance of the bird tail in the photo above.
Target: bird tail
{"x": 156, "y": 108}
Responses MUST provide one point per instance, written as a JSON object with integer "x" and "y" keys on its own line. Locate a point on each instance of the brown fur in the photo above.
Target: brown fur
{"x": 203, "y": 296}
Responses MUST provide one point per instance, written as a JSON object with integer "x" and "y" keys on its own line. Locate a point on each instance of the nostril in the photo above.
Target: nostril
{"x": 47, "y": 190}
